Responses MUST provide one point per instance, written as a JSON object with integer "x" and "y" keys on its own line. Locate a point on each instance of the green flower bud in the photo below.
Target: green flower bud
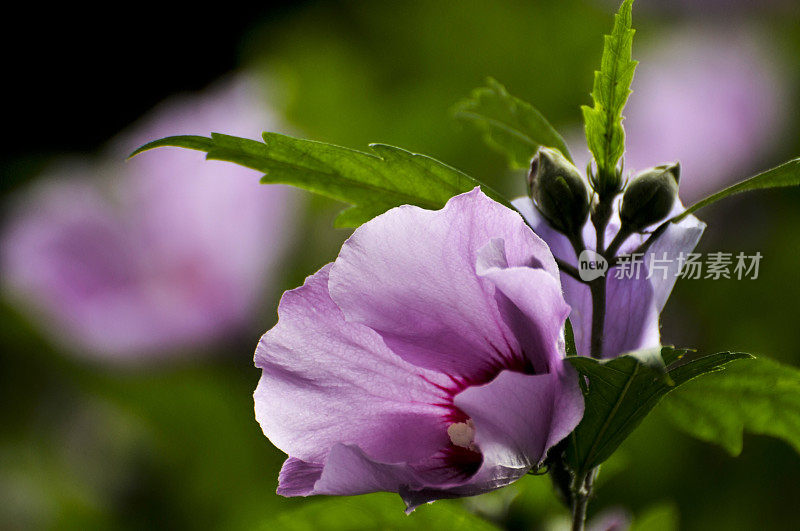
{"x": 649, "y": 198}
{"x": 559, "y": 191}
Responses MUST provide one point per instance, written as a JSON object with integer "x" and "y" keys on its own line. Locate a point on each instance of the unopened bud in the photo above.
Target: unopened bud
{"x": 649, "y": 198}
{"x": 558, "y": 190}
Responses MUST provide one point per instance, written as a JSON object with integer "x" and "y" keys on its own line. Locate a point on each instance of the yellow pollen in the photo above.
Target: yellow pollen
{"x": 462, "y": 434}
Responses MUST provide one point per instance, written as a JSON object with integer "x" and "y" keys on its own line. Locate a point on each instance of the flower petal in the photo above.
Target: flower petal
{"x": 297, "y": 478}
{"x": 409, "y": 274}
{"x": 530, "y": 302}
{"x": 347, "y": 471}
{"x": 510, "y": 438}
{"x": 488, "y": 479}
{"x": 518, "y": 417}
{"x": 632, "y": 304}
{"x": 327, "y": 381}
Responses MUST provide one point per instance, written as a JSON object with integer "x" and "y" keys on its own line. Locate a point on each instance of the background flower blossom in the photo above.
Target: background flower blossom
{"x": 160, "y": 253}
{"x": 426, "y": 360}
{"x": 712, "y": 99}
{"x": 633, "y": 304}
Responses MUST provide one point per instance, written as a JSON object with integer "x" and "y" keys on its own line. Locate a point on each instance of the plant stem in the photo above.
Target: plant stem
{"x": 583, "y": 484}
{"x": 616, "y": 243}
{"x": 570, "y": 270}
{"x": 597, "y": 288}
{"x": 581, "y": 492}
{"x": 645, "y": 245}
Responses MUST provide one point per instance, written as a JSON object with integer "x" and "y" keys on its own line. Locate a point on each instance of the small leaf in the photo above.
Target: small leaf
{"x": 509, "y": 124}
{"x": 619, "y": 394}
{"x": 604, "y": 132}
{"x": 375, "y": 511}
{"x": 371, "y": 183}
{"x": 761, "y": 397}
{"x": 653, "y": 360}
{"x": 569, "y": 339}
{"x": 787, "y": 174}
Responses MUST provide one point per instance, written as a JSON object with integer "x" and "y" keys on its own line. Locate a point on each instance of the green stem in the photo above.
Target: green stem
{"x": 597, "y": 288}
{"x": 581, "y": 492}
{"x": 616, "y": 243}
{"x": 583, "y": 484}
{"x": 644, "y": 246}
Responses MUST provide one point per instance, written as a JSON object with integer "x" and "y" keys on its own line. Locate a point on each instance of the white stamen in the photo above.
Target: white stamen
{"x": 462, "y": 434}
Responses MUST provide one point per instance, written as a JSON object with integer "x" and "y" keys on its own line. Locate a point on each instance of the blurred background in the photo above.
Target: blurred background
{"x": 133, "y": 294}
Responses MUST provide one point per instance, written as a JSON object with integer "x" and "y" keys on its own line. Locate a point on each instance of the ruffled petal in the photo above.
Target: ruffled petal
{"x": 327, "y": 381}
{"x": 678, "y": 238}
{"x": 510, "y": 436}
{"x": 518, "y": 417}
{"x": 297, "y": 478}
{"x": 409, "y": 274}
{"x": 531, "y": 304}
{"x": 349, "y": 471}
{"x": 487, "y": 480}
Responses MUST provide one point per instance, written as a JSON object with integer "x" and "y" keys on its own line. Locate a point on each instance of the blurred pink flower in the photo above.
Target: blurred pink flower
{"x": 162, "y": 253}
{"x": 613, "y": 519}
{"x": 713, "y": 100}
{"x": 719, "y": 7}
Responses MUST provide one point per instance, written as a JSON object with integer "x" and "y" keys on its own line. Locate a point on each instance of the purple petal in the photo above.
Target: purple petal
{"x": 487, "y": 480}
{"x": 297, "y": 478}
{"x": 410, "y": 276}
{"x": 531, "y": 304}
{"x": 518, "y": 417}
{"x": 632, "y": 305}
{"x": 327, "y": 381}
{"x": 348, "y": 470}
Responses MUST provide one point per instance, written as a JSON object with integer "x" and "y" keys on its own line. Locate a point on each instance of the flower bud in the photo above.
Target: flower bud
{"x": 649, "y": 198}
{"x": 558, "y": 190}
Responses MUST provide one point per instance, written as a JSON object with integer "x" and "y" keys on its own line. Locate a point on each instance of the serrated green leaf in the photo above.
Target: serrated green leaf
{"x": 371, "y": 183}
{"x": 612, "y": 86}
{"x": 375, "y": 511}
{"x": 508, "y": 124}
{"x": 787, "y": 174}
{"x": 620, "y": 392}
{"x": 761, "y": 397}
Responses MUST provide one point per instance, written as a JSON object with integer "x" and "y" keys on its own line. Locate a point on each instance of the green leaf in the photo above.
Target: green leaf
{"x": 371, "y": 183}
{"x": 661, "y": 517}
{"x": 569, "y": 339}
{"x": 620, "y": 392}
{"x": 375, "y": 511}
{"x": 604, "y": 132}
{"x": 508, "y": 124}
{"x": 761, "y": 397}
{"x": 787, "y": 174}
